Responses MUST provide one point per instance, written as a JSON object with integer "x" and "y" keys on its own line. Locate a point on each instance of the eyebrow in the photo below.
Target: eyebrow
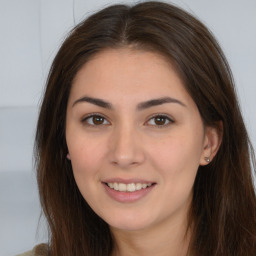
{"x": 140, "y": 106}
{"x": 156, "y": 102}
{"x": 95, "y": 101}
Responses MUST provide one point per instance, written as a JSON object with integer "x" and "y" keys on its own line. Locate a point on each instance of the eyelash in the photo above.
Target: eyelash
{"x": 165, "y": 117}
{"x": 86, "y": 118}
{"x": 97, "y": 115}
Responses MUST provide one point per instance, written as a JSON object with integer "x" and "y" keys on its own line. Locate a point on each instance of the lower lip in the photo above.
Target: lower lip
{"x": 127, "y": 197}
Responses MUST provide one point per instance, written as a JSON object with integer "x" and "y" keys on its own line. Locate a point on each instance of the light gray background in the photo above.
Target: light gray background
{"x": 31, "y": 32}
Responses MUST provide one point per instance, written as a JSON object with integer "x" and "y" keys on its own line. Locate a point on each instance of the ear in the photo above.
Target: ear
{"x": 212, "y": 141}
{"x": 68, "y": 156}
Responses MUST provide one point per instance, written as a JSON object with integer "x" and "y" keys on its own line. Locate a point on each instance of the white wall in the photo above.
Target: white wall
{"x": 31, "y": 32}
{"x": 20, "y": 62}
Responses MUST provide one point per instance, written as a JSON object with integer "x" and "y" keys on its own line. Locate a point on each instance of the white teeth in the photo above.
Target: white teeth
{"x": 138, "y": 186}
{"x": 131, "y": 187}
{"x": 144, "y": 185}
{"x": 116, "y": 187}
{"x": 122, "y": 187}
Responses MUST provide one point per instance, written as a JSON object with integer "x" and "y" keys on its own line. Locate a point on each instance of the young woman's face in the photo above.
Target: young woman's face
{"x": 135, "y": 139}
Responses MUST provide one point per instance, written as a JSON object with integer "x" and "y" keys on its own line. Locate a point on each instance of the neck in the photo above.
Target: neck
{"x": 153, "y": 241}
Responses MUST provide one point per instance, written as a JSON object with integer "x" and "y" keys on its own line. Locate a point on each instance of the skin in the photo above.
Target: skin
{"x": 129, "y": 143}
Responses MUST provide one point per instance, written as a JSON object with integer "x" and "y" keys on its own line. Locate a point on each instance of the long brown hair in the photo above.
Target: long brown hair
{"x": 223, "y": 211}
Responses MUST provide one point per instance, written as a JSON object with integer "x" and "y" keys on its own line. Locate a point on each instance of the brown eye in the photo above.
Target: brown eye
{"x": 160, "y": 120}
{"x": 95, "y": 120}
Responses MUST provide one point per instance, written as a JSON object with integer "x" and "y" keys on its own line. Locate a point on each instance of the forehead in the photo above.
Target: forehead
{"x": 128, "y": 73}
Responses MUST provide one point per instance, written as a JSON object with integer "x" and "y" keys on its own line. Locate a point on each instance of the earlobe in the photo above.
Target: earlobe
{"x": 207, "y": 159}
{"x": 213, "y": 138}
{"x": 68, "y": 156}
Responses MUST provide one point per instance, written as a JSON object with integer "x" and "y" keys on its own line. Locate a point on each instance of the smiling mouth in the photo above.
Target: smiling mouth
{"x": 130, "y": 187}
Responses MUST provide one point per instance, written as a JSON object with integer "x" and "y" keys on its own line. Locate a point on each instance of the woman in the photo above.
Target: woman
{"x": 141, "y": 148}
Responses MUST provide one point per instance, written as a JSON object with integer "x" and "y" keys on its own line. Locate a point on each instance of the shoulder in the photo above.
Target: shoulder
{"x": 39, "y": 250}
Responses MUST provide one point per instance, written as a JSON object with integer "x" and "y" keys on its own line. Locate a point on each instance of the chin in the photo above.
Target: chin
{"x": 129, "y": 222}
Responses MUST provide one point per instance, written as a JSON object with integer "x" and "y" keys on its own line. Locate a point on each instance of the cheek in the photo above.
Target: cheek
{"x": 86, "y": 165}
{"x": 177, "y": 151}
{"x": 177, "y": 158}
{"x": 177, "y": 161}
{"x": 86, "y": 160}
{"x": 85, "y": 155}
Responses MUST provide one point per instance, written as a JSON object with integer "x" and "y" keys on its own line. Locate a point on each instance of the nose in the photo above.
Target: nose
{"x": 126, "y": 149}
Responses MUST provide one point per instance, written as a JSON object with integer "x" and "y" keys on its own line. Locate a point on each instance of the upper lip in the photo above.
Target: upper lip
{"x": 127, "y": 181}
